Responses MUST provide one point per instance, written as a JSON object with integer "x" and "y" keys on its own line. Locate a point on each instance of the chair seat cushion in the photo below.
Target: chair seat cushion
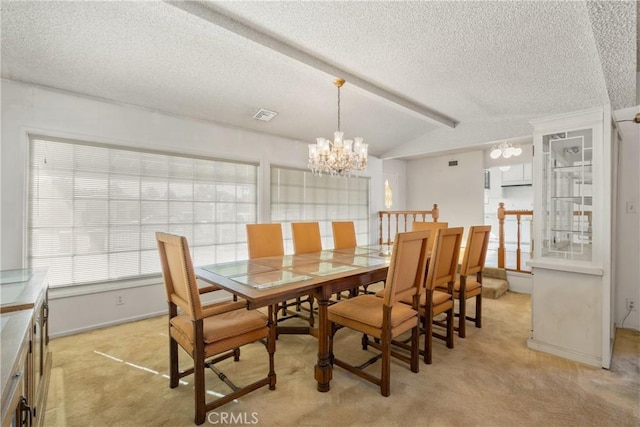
{"x": 222, "y": 326}
{"x": 365, "y": 313}
{"x": 472, "y": 286}
{"x": 439, "y": 297}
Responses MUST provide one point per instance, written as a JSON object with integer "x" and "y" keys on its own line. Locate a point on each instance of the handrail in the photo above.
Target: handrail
{"x": 518, "y": 214}
{"x": 405, "y": 216}
{"x": 502, "y": 214}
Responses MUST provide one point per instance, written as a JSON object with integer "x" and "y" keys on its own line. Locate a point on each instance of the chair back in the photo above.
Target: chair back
{"x": 433, "y": 226}
{"x": 178, "y": 274}
{"x": 306, "y": 237}
{"x": 443, "y": 264}
{"x": 407, "y": 267}
{"x": 475, "y": 252}
{"x": 344, "y": 234}
{"x": 265, "y": 240}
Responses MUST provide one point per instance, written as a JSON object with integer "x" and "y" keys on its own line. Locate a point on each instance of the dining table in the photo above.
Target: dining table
{"x": 263, "y": 282}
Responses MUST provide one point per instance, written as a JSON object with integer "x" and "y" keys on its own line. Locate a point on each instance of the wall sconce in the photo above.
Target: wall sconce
{"x": 388, "y": 195}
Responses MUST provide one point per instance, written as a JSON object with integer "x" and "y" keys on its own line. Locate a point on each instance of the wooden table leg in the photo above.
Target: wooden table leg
{"x": 323, "y": 369}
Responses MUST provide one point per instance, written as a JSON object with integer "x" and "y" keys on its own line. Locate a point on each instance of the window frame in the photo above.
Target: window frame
{"x": 140, "y": 279}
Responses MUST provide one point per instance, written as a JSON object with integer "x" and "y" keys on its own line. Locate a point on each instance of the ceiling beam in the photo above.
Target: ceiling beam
{"x": 218, "y": 18}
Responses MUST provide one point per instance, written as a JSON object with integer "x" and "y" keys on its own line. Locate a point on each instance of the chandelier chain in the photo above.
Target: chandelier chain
{"x": 338, "y": 108}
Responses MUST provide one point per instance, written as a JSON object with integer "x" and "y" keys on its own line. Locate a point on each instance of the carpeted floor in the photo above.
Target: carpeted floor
{"x": 118, "y": 377}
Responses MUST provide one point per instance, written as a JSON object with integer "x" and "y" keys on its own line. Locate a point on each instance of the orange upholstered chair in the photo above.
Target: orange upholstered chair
{"x": 385, "y": 318}
{"x": 469, "y": 281}
{"x": 344, "y": 234}
{"x": 433, "y": 226}
{"x": 208, "y": 333}
{"x": 306, "y": 237}
{"x": 265, "y": 240}
{"x": 443, "y": 265}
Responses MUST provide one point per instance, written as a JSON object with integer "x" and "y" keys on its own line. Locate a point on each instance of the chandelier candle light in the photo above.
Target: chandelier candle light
{"x": 340, "y": 157}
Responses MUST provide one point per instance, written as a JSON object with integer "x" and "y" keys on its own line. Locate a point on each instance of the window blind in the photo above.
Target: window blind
{"x": 94, "y": 210}
{"x": 298, "y": 195}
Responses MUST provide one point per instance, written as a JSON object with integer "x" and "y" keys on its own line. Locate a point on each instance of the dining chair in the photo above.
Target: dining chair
{"x": 306, "y": 237}
{"x": 441, "y": 271}
{"x": 265, "y": 240}
{"x": 433, "y": 226}
{"x": 386, "y": 318}
{"x": 344, "y": 237}
{"x": 469, "y": 282}
{"x": 344, "y": 234}
{"x": 443, "y": 266}
{"x": 208, "y": 333}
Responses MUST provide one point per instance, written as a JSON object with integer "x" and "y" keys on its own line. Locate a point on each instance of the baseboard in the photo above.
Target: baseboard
{"x": 564, "y": 353}
{"x": 107, "y": 324}
{"x": 520, "y": 282}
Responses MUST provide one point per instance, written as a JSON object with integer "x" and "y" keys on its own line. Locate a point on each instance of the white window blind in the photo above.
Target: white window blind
{"x": 94, "y": 210}
{"x": 298, "y": 195}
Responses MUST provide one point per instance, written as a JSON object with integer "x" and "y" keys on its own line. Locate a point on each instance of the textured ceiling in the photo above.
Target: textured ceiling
{"x": 488, "y": 66}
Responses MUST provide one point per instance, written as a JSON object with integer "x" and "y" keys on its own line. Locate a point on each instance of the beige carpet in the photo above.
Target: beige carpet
{"x": 117, "y": 377}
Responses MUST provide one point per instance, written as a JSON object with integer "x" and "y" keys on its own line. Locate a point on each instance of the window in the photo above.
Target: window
{"x": 94, "y": 210}
{"x": 298, "y": 195}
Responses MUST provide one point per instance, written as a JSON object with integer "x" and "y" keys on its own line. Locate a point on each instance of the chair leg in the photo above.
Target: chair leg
{"x": 385, "y": 378}
{"x": 199, "y": 391}
{"x": 236, "y": 354}
{"x": 174, "y": 377}
{"x": 427, "y": 323}
{"x": 450, "y": 332}
{"x": 479, "y": 310}
{"x": 462, "y": 330}
{"x": 415, "y": 351}
{"x": 365, "y": 341}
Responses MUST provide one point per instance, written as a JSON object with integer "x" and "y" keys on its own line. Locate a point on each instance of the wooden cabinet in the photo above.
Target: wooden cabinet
{"x": 24, "y": 313}
{"x": 16, "y": 368}
{"x": 517, "y": 175}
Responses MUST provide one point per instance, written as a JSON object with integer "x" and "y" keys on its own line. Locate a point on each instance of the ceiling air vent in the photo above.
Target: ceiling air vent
{"x": 264, "y": 115}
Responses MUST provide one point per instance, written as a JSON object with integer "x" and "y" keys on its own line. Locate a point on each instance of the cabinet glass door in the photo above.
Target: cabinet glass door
{"x": 567, "y": 195}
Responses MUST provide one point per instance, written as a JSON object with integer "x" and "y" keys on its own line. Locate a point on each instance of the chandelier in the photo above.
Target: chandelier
{"x": 340, "y": 157}
{"x": 506, "y": 150}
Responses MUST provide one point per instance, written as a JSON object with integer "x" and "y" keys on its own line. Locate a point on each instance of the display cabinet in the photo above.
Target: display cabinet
{"x": 571, "y": 264}
{"x": 567, "y": 195}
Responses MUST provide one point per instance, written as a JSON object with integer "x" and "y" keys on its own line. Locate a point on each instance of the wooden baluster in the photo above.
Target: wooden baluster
{"x": 389, "y": 230}
{"x": 518, "y": 247}
{"x": 380, "y": 215}
{"x": 501, "y": 247}
{"x": 435, "y": 212}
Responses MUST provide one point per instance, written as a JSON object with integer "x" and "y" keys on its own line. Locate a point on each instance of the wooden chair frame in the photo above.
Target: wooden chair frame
{"x": 400, "y": 284}
{"x": 473, "y": 262}
{"x": 265, "y": 240}
{"x": 182, "y": 291}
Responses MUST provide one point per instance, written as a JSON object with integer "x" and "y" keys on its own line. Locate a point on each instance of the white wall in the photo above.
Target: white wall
{"x": 458, "y": 190}
{"x": 627, "y": 239}
{"x": 396, "y": 172}
{"x": 31, "y": 109}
